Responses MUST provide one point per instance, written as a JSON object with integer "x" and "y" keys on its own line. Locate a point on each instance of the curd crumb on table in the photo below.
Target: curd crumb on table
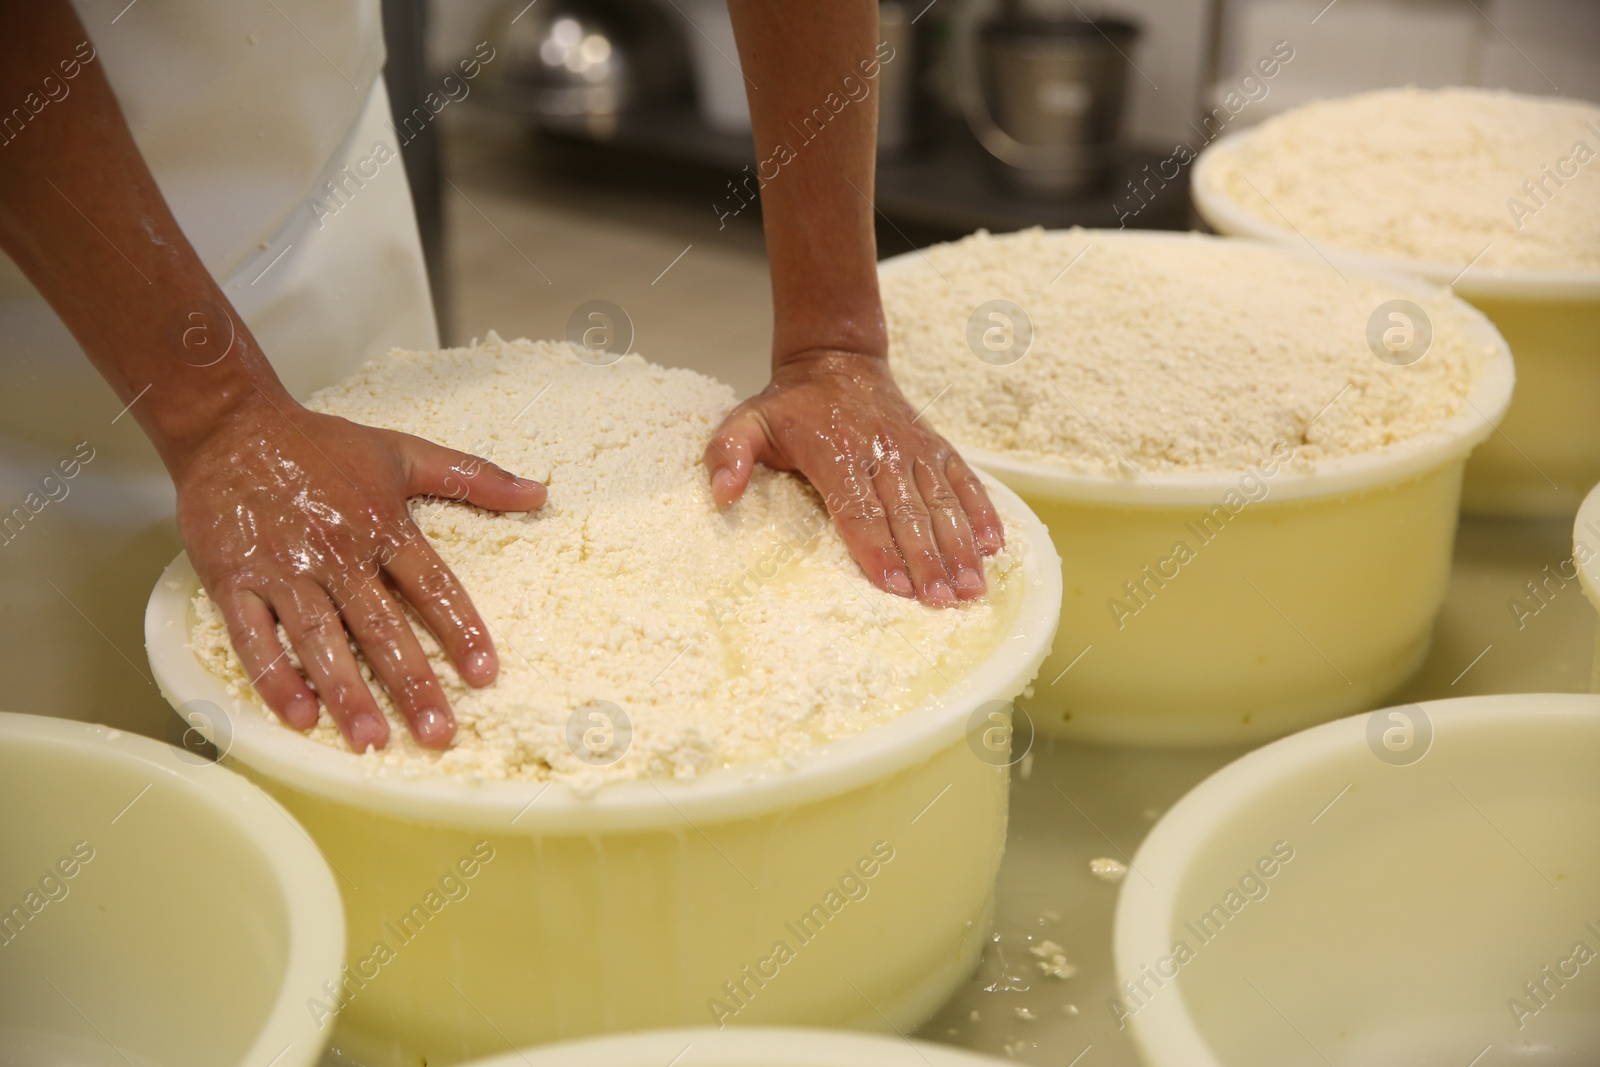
{"x": 1108, "y": 869}
{"x": 1052, "y": 960}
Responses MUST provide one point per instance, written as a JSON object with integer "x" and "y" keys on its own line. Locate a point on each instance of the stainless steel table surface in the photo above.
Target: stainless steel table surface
{"x": 1079, "y": 802}
{"x": 1071, "y": 803}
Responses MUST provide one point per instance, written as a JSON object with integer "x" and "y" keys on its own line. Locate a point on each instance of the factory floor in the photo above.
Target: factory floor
{"x": 533, "y": 231}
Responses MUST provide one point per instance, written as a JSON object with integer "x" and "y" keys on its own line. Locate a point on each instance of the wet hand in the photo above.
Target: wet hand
{"x": 298, "y": 518}
{"x": 909, "y": 508}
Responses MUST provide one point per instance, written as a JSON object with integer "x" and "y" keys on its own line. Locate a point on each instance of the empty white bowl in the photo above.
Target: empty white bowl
{"x": 743, "y": 1047}
{"x": 1420, "y": 884}
{"x": 159, "y": 910}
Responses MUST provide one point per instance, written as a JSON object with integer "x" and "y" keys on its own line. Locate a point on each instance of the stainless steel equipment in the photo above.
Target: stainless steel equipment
{"x": 583, "y": 60}
{"x": 1049, "y": 97}
{"x": 896, "y": 78}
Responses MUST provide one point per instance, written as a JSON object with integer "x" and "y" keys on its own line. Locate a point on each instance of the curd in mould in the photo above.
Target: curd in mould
{"x": 692, "y": 638}
{"x": 1254, "y": 506}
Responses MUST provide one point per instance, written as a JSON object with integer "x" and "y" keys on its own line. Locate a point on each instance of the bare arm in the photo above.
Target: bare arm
{"x": 288, "y": 516}
{"x": 913, "y": 514}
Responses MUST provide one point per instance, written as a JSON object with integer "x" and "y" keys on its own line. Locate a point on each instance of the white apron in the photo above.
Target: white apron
{"x": 244, "y": 110}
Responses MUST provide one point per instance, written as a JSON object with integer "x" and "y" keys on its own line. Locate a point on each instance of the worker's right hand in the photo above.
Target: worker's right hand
{"x": 299, "y": 518}
{"x": 912, "y": 513}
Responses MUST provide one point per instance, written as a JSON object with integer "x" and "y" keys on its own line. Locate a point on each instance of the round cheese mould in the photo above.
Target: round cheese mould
{"x": 159, "y": 910}
{"x": 849, "y": 887}
{"x": 742, "y": 1047}
{"x": 1546, "y": 454}
{"x": 1312, "y": 598}
{"x": 1419, "y": 884}
{"x": 1586, "y": 561}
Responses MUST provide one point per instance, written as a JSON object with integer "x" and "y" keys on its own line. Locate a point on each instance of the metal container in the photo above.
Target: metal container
{"x": 719, "y": 85}
{"x": 1049, "y": 100}
{"x": 583, "y": 62}
{"x": 896, "y": 77}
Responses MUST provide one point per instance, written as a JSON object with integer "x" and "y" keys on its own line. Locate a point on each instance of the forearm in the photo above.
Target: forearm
{"x": 812, "y": 70}
{"x": 84, "y": 220}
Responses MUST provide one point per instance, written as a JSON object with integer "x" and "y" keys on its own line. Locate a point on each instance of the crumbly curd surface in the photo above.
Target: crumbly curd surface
{"x": 725, "y": 637}
{"x": 1448, "y": 176}
{"x": 1198, "y": 353}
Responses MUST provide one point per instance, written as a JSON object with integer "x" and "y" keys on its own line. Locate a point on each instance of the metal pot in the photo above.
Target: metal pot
{"x": 583, "y": 60}
{"x": 1049, "y": 98}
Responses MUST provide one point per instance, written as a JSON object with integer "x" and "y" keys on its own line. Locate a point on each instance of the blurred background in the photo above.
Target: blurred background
{"x": 604, "y": 150}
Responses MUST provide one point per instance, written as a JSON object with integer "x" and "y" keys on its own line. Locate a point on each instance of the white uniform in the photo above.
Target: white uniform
{"x": 249, "y": 113}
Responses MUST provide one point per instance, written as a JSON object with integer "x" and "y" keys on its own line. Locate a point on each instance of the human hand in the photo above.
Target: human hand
{"x": 909, "y": 508}
{"x": 300, "y": 518}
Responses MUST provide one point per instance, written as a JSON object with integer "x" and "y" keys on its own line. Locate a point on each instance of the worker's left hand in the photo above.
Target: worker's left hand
{"x": 910, "y": 510}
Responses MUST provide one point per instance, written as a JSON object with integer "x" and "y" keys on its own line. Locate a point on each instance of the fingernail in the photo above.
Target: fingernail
{"x": 940, "y": 594}
{"x": 969, "y": 581}
{"x": 480, "y": 667}
{"x": 303, "y": 712}
{"x": 898, "y": 582}
{"x": 991, "y": 541}
{"x": 722, "y": 482}
{"x": 527, "y": 483}
{"x": 368, "y": 731}
{"x": 432, "y": 726}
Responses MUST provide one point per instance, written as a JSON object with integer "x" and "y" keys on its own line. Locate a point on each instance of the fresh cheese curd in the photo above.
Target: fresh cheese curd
{"x": 1447, "y": 176}
{"x": 701, "y": 638}
{"x": 1250, "y": 467}
{"x": 1493, "y": 194}
{"x": 1184, "y": 354}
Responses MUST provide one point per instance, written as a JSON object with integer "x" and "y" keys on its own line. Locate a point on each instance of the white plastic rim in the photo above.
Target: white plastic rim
{"x": 1452, "y": 440}
{"x": 1165, "y": 1029}
{"x": 742, "y": 1047}
{"x": 1586, "y": 560}
{"x": 1586, "y": 548}
{"x": 1223, "y": 214}
{"x": 266, "y": 746}
{"x": 289, "y": 1037}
